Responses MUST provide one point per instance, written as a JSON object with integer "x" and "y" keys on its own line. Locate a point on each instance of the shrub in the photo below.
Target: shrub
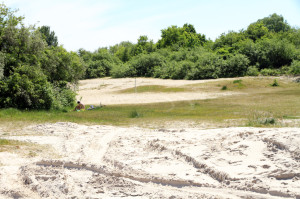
{"x": 235, "y": 66}
{"x": 224, "y": 88}
{"x": 275, "y": 83}
{"x": 252, "y": 71}
{"x": 120, "y": 71}
{"x": 173, "y": 70}
{"x": 143, "y": 65}
{"x": 207, "y": 66}
{"x": 295, "y": 68}
{"x": 270, "y": 72}
{"x": 28, "y": 88}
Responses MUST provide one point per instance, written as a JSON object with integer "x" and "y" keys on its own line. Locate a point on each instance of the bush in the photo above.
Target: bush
{"x": 173, "y": 70}
{"x": 143, "y": 65}
{"x": 252, "y": 71}
{"x": 120, "y": 71}
{"x": 295, "y": 68}
{"x": 28, "y": 88}
{"x": 224, "y": 88}
{"x": 207, "y": 66}
{"x": 275, "y": 52}
{"x": 270, "y": 72}
{"x": 235, "y": 66}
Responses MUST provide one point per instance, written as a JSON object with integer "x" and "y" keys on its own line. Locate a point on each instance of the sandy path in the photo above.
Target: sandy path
{"x": 115, "y": 162}
{"x": 104, "y": 91}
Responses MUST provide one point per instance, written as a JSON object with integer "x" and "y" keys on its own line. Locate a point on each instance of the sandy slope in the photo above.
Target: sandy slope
{"x": 114, "y": 162}
{"x": 108, "y": 162}
{"x": 104, "y": 91}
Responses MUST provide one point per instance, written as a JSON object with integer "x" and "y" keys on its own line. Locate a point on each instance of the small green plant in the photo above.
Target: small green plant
{"x": 134, "y": 114}
{"x": 252, "y": 71}
{"x": 262, "y": 119}
{"x": 224, "y": 88}
{"x": 275, "y": 83}
{"x": 237, "y": 81}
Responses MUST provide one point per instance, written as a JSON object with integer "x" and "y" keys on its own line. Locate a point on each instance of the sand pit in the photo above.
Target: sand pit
{"x": 105, "y": 91}
{"x": 115, "y": 162}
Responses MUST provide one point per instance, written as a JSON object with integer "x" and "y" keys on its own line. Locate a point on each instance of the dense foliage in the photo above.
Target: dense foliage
{"x": 268, "y": 46}
{"x": 35, "y": 73}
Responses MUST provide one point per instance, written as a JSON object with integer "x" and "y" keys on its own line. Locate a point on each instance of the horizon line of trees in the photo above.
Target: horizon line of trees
{"x": 38, "y": 73}
{"x": 269, "y": 46}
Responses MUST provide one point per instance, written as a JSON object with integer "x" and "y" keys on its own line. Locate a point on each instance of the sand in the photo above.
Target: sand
{"x": 105, "y": 91}
{"x": 81, "y": 161}
{"x": 115, "y": 162}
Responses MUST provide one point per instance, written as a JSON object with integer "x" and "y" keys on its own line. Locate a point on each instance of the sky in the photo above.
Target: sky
{"x": 91, "y": 24}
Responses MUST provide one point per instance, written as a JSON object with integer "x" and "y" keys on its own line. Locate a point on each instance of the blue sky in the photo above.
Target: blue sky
{"x": 91, "y": 24}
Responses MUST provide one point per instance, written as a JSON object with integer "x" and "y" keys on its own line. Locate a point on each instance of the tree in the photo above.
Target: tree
{"x": 177, "y": 37}
{"x": 49, "y": 36}
{"x": 275, "y": 23}
{"x": 275, "y": 53}
{"x": 189, "y": 28}
{"x": 256, "y": 31}
{"x": 60, "y": 65}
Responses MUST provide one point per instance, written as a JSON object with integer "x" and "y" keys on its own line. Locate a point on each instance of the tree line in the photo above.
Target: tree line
{"x": 269, "y": 46}
{"x": 38, "y": 73}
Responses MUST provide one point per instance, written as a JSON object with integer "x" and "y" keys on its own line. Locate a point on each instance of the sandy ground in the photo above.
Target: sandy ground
{"x": 115, "y": 162}
{"x": 105, "y": 91}
{"x": 80, "y": 161}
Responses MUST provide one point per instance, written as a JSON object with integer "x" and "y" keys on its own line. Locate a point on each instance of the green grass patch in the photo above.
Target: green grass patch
{"x": 153, "y": 89}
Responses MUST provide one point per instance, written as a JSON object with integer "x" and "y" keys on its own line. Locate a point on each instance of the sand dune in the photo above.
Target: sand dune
{"x": 107, "y": 162}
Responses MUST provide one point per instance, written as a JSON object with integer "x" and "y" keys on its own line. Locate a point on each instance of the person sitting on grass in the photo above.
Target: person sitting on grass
{"x": 79, "y": 106}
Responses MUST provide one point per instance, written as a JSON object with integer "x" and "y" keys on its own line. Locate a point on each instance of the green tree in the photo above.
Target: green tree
{"x": 275, "y": 23}
{"x": 60, "y": 65}
{"x": 256, "y": 31}
{"x": 275, "y": 53}
{"x": 49, "y": 36}
{"x": 177, "y": 37}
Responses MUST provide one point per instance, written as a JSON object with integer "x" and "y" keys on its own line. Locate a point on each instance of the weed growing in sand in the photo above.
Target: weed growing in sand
{"x": 224, "y": 88}
{"x": 237, "y": 81}
{"x": 9, "y": 144}
{"x": 134, "y": 114}
{"x": 275, "y": 83}
{"x": 262, "y": 119}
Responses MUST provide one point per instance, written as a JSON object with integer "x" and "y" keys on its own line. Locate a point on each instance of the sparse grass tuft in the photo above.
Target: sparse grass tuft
{"x": 134, "y": 114}
{"x": 262, "y": 119}
{"x": 224, "y": 88}
{"x": 237, "y": 81}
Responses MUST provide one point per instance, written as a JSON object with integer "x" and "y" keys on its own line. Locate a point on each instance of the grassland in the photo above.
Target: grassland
{"x": 258, "y": 104}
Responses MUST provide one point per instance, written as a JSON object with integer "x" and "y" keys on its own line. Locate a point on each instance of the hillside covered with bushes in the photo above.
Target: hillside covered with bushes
{"x": 38, "y": 73}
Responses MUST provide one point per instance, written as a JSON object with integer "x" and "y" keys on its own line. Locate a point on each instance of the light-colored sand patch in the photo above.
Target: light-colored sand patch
{"x": 96, "y": 91}
{"x": 114, "y": 162}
